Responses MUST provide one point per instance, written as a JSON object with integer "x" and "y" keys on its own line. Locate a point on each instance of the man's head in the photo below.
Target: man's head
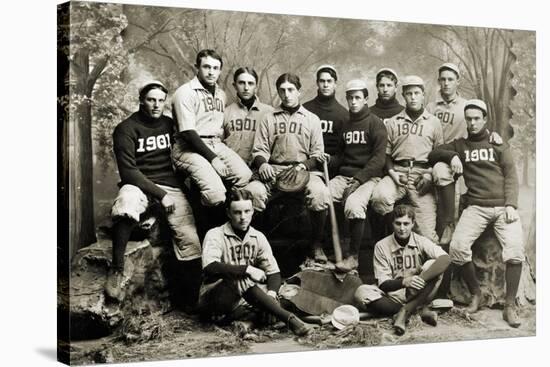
{"x": 209, "y": 66}
{"x": 403, "y": 221}
{"x": 357, "y": 95}
{"x": 288, "y": 87}
{"x": 245, "y": 81}
{"x": 326, "y": 80}
{"x": 475, "y": 114}
{"x": 386, "y": 84}
{"x": 413, "y": 92}
{"x": 239, "y": 209}
{"x": 448, "y": 79}
{"x": 152, "y": 97}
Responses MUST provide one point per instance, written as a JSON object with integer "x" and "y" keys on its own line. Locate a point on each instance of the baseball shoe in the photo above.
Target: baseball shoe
{"x": 348, "y": 264}
{"x": 474, "y": 304}
{"x": 400, "y": 321}
{"x": 319, "y": 255}
{"x": 429, "y": 316}
{"x": 114, "y": 285}
{"x": 510, "y": 315}
{"x": 298, "y": 327}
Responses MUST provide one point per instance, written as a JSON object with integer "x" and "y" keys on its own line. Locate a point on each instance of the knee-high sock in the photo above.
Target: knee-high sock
{"x": 191, "y": 283}
{"x": 513, "y": 275}
{"x": 318, "y": 220}
{"x": 422, "y": 297}
{"x": 258, "y": 298}
{"x": 469, "y": 276}
{"x": 122, "y": 230}
{"x": 356, "y": 228}
{"x": 445, "y": 285}
{"x": 384, "y": 307}
{"x": 446, "y": 195}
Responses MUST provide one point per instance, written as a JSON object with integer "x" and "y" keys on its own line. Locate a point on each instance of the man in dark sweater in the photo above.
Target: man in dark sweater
{"x": 359, "y": 162}
{"x": 331, "y": 113}
{"x": 142, "y": 145}
{"x": 386, "y": 104}
{"x": 492, "y": 198}
{"x": 238, "y": 263}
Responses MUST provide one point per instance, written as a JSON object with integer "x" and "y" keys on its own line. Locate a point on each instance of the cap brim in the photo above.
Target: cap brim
{"x": 338, "y": 325}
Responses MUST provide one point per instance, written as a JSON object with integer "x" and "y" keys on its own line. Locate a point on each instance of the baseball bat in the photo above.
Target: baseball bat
{"x": 333, "y": 223}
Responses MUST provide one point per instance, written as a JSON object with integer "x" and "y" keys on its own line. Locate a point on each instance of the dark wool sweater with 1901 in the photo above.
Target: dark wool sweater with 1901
{"x": 489, "y": 170}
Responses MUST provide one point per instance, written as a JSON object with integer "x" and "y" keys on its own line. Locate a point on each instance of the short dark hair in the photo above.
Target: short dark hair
{"x": 402, "y": 210}
{"x": 365, "y": 92}
{"x": 327, "y": 70}
{"x": 471, "y": 107}
{"x": 149, "y": 88}
{"x": 245, "y": 69}
{"x": 205, "y": 53}
{"x": 288, "y": 77}
{"x": 385, "y": 74}
{"x": 237, "y": 195}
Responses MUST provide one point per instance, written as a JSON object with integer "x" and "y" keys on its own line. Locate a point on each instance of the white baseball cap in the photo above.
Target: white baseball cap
{"x": 412, "y": 80}
{"x": 387, "y": 70}
{"x": 356, "y": 84}
{"x": 326, "y": 66}
{"x": 449, "y": 66}
{"x": 151, "y": 82}
{"x": 477, "y": 103}
{"x": 343, "y": 316}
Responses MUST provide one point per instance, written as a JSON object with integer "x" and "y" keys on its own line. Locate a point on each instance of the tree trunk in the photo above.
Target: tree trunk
{"x": 525, "y": 173}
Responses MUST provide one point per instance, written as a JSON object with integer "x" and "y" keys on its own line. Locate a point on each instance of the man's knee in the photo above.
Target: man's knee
{"x": 130, "y": 202}
{"x": 354, "y": 208}
{"x": 318, "y": 195}
{"x": 442, "y": 174}
{"x": 259, "y": 195}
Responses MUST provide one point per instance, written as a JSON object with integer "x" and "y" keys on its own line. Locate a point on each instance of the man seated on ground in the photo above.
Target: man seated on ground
{"x": 492, "y": 199}
{"x": 236, "y": 260}
{"x": 142, "y": 145}
{"x": 408, "y": 268}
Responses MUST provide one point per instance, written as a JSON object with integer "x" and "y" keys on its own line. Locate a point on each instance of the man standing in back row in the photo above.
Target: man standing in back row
{"x": 386, "y": 105}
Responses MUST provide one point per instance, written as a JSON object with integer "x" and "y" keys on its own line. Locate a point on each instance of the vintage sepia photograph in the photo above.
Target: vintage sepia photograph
{"x": 237, "y": 183}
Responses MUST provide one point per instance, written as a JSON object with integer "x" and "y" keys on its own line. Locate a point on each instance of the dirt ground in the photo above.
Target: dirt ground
{"x": 178, "y": 336}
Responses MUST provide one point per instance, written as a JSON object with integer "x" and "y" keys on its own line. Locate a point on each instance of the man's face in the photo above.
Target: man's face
{"x": 474, "y": 120}
{"x": 402, "y": 227}
{"x": 414, "y": 97}
{"x": 240, "y": 214}
{"x": 245, "y": 85}
{"x": 386, "y": 88}
{"x": 289, "y": 94}
{"x": 326, "y": 84}
{"x": 153, "y": 103}
{"x": 356, "y": 100}
{"x": 448, "y": 83}
{"x": 209, "y": 70}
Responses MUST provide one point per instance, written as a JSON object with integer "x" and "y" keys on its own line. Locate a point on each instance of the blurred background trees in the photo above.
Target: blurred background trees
{"x": 114, "y": 48}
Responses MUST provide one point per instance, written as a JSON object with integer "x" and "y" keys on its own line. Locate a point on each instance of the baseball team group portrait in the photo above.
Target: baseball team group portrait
{"x": 234, "y": 183}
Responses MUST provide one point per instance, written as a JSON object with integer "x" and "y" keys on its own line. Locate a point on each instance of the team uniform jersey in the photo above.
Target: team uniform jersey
{"x": 409, "y": 139}
{"x": 221, "y": 244}
{"x": 240, "y": 125}
{"x": 392, "y": 260}
{"x": 332, "y": 115}
{"x": 283, "y": 138}
{"x": 195, "y": 108}
{"x": 451, "y": 115}
{"x": 142, "y": 148}
{"x": 489, "y": 170}
{"x": 386, "y": 110}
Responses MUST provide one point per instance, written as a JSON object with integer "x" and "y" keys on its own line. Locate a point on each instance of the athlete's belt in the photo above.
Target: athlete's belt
{"x": 208, "y": 136}
{"x": 411, "y": 163}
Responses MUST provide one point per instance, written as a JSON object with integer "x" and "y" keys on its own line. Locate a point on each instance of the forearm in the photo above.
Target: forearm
{"x": 225, "y": 270}
{"x": 194, "y": 141}
{"x": 273, "y": 282}
{"x": 138, "y": 179}
{"x": 438, "y": 267}
{"x": 391, "y": 285}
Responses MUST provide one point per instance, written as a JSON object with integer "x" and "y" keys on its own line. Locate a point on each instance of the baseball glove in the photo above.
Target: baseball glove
{"x": 292, "y": 180}
{"x": 423, "y": 185}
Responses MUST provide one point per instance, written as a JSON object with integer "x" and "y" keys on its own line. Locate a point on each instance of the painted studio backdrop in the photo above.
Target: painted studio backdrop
{"x": 106, "y": 52}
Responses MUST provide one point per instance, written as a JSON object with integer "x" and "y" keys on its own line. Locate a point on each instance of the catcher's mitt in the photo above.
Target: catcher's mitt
{"x": 423, "y": 185}
{"x": 292, "y": 180}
